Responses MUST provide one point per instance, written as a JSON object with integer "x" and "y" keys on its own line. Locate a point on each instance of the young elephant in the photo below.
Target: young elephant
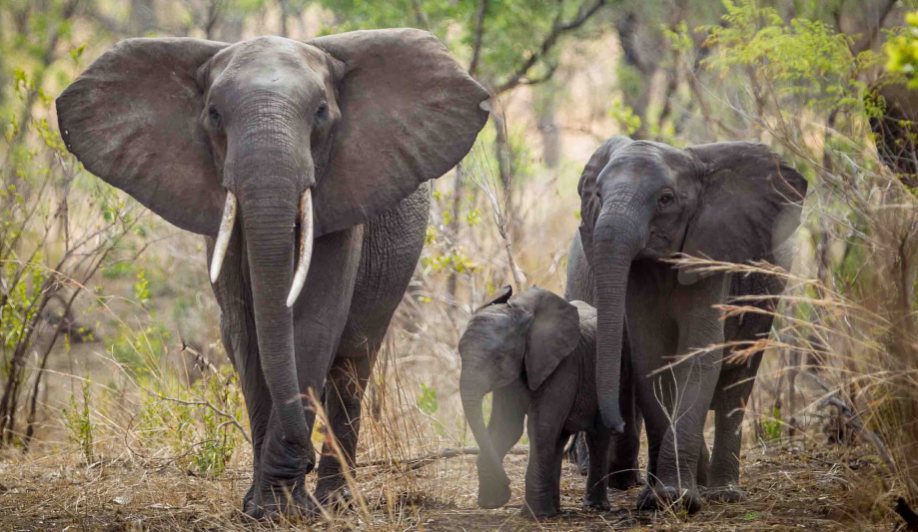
{"x": 536, "y": 352}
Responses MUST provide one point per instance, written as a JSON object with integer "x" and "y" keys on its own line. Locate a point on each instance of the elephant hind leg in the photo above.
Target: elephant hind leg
{"x": 390, "y": 250}
{"x": 344, "y": 388}
{"x": 733, "y": 392}
{"x": 596, "y": 492}
{"x": 579, "y": 454}
{"x": 704, "y": 462}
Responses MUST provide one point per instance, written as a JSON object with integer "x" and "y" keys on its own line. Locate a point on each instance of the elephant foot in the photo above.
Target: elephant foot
{"x": 600, "y": 503}
{"x": 491, "y": 497}
{"x": 663, "y": 497}
{"x": 625, "y": 480}
{"x": 247, "y": 499}
{"x": 272, "y": 504}
{"x": 333, "y": 491}
{"x": 726, "y": 493}
{"x": 538, "y": 512}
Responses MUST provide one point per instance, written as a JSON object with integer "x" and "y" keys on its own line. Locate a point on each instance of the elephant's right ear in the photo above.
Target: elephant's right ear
{"x": 132, "y": 118}
{"x": 588, "y": 187}
{"x": 409, "y": 113}
{"x": 553, "y": 334}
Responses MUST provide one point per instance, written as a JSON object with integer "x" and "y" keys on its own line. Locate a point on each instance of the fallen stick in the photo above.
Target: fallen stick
{"x": 855, "y": 421}
{"x": 410, "y": 464}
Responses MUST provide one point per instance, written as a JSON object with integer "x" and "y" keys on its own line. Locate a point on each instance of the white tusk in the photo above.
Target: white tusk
{"x": 223, "y": 237}
{"x": 306, "y": 231}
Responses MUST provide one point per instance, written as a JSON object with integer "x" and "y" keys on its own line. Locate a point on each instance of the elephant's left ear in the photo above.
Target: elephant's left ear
{"x": 553, "y": 334}
{"x": 409, "y": 113}
{"x": 751, "y": 202}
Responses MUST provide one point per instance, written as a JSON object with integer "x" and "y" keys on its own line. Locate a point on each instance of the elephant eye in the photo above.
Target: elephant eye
{"x": 322, "y": 111}
{"x": 666, "y": 199}
{"x": 214, "y": 116}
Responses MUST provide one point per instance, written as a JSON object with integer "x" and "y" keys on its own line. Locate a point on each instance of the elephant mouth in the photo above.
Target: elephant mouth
{"x": 307, "y": 230}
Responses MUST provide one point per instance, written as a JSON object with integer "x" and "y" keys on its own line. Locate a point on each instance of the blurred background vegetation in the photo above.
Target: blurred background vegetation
{"x": 109, "y": 330}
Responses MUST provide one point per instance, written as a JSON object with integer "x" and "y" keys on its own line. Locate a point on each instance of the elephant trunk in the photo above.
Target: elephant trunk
{"x": 268, "y": 217}
{"x": 272, "y": 182}
{"x": 618, "y": 237}
{"x": 472, "y": 403}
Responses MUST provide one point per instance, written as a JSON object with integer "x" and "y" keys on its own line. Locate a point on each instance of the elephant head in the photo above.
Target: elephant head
{"x": 525, "y": 337}
{"x": 731, "y": 201}
{"x": 296, "y": 139}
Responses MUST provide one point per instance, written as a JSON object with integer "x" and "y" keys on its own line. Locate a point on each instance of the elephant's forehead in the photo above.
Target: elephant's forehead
{"x": 265, "y": 53}
{"x": 642, "y": 160}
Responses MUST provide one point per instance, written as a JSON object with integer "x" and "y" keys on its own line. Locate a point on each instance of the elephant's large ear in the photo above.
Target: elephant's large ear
{"x": 132, "y": 118}
{"x": 409, "y": 113}
{"x": 553, "y": 334}
{"x": 590, "y": 204}
{"x": 750, "y": 204}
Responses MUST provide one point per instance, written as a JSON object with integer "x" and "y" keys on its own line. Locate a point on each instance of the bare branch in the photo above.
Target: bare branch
{"x": 479, "y": 29}
{"x": 417, "y": 462}
{"x": 558, "y": 29}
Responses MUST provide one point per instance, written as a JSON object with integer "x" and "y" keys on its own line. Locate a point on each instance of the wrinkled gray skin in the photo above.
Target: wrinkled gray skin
{"x": 362, "y": 120}
{"x": 536, "y": 352}
{"x": 644, "y": 201}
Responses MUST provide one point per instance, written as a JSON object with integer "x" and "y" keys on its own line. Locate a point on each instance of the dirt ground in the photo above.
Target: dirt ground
{"x": 789, "y": 487}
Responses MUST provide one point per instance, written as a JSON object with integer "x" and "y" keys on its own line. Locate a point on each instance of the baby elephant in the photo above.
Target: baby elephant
{"x": 536, "y": 352}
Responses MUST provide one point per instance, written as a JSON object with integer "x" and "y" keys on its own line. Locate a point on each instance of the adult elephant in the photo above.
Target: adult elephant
{"x": 643, "y": 202}
{"x": 318, "y": 146}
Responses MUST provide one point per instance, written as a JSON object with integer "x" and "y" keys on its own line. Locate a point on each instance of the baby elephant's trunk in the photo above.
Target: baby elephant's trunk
{"x": 493, "y": 476}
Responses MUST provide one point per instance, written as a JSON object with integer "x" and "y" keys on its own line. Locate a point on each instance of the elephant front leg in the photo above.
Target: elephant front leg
{"x": 623, "y": 459}
{"x": 237, "y": 330}
{"x": 279, "y": 487}
{"x": 319, "y": 318}
{"x": 685, "y": 391}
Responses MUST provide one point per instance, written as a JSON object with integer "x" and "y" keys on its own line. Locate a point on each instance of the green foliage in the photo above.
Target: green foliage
{"x": 140, "y": 348}
{"x": 427, "y": 401}
{"x": 625, "y": 117}
{"x": 902, "y": 51}
{"x": 513, "y": 29}
{"x": 630, "y": 80}
{"x": 79, "y": 424}
{"x": 805, "y": 59}
{"x": 773, "y": 427}
{"x": 141, "y": 288}
{"x": 197, "y": 422}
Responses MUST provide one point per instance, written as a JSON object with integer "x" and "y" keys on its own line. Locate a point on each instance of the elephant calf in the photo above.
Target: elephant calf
{"x": 536, "y": 352}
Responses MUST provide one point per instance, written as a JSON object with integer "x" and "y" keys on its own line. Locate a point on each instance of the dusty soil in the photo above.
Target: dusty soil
{"x": 789, "y": 487}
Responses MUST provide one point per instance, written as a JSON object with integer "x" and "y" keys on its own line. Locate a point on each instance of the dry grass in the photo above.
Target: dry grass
{"x": 791, "y": 486}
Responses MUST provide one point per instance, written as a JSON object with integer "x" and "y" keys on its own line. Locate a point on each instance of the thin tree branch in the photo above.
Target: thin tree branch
{"x": 558, "y": 29}
{"x": 479, "y": 30}
{"x": 410, "y": 464}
